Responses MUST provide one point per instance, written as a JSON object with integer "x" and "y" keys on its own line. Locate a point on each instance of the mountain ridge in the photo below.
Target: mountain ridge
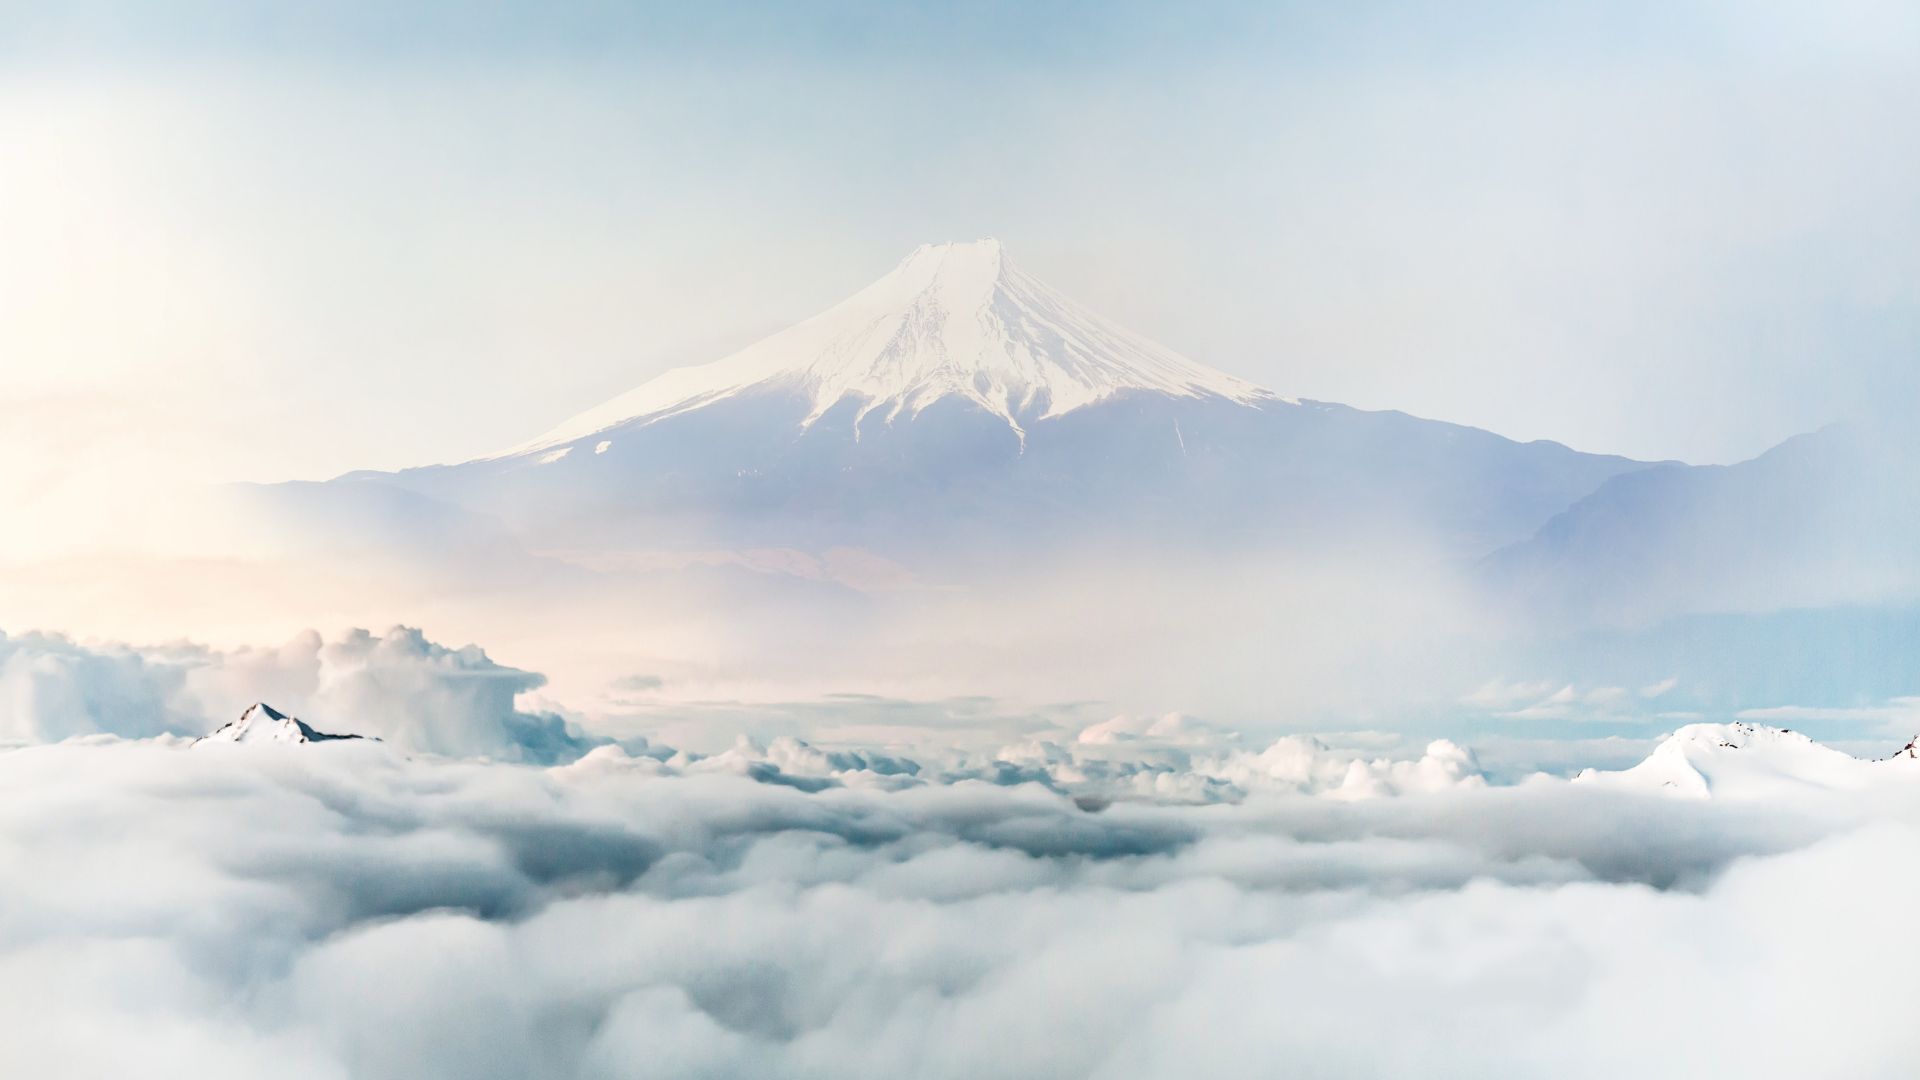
{"x": 1820, "y": 519}
{"x": 262, "y": 723}
{"x": 1746, "y": 761}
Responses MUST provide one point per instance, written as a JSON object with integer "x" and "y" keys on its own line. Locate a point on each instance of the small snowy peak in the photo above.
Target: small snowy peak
{"x": 955, "y": 320}
{"x": 262, "y": 723}
{"x": 1703, "y": 761}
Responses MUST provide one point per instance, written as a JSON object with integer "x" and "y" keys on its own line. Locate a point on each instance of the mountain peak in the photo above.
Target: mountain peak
{"x": 960, "y": 275}
{"x": 952, "y": 320}
{"x": 262, "y": 723}
{"x": 1739, "y": 760}
{"x": 986, "y": 247}
{"x": 979, "y": 262}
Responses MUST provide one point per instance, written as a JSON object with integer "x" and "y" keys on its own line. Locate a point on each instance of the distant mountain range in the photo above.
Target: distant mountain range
{"x": 1827, "y": 518}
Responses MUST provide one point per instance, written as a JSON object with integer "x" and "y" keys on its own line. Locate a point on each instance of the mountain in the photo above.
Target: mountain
{"x": 1823, "y": 519}
{"x": 1747, "y": 761}
{"x": 262, "y": 723}
{"x": 959, "y": 411}
{"x": 952, "y": 321}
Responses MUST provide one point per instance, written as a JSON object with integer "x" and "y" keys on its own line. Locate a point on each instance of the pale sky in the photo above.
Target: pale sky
{"x": 246, "y": 242}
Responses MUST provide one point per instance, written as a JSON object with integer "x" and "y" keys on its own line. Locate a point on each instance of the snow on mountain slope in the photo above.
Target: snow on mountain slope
{"x": 952, "y": 320}
{"x": 1739, "y": 761}
{"x": 262, "y": 723}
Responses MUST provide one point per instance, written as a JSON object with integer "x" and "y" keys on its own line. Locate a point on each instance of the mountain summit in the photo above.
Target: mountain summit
{"x": 262, "y": 723}
{"x": 1703, "y": 761}
{"x": 956, "y": 320}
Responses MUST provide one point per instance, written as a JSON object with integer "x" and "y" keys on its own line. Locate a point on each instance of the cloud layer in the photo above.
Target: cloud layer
{"x": 343, "y": 910}
{"x": 491, "y": 891}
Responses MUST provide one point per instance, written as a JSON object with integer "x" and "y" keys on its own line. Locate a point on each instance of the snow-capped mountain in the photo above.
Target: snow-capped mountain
{"x": 1740, "y": 760}
{"x": 959, "y": 410}
{"x": 955, "y": 320}
{"x": 262, "y": 723}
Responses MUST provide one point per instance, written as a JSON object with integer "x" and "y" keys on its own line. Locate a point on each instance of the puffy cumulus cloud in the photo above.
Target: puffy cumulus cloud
{"x": 1175, "y": 728}
{"x": 1302, "y": 763}
{"x": 1098, "y": 772}
{"x": 342, "y": 910}
{"x": 1193, "y": 768}
{"x": 53, "y": 688}
{"x": 425, "y": 696}
{"x": 401, "y": 687}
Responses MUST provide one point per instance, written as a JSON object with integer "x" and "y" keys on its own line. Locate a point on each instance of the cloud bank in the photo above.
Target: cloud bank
{"x": 346, "y": 910}
{"x": 423, "y": 697}
{"x": 400, "y": 687}
{"x": 491, "y": 891}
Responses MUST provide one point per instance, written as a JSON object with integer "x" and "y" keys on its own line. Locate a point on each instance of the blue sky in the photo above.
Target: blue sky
{"x": 401, "y": 232}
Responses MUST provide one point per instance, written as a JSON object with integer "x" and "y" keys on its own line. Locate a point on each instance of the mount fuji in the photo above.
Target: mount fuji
{"x": 957, "y": 321}
{"x": 959, "y": 411}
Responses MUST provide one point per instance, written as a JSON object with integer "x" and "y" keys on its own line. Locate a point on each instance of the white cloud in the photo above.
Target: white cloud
{"x": 1899, "y": 715}
{"x": 343, "y": 910}
{"x": 399, "y": 686}
{"x": 1498, "y": 693}
{"x": 423, "y": 697}
{"x": 1555, "y": 706}
{"x": 1304, "y": 764}
{"x": 52, "y": 688}
{"x": 1661, "y": 688}
{"x": 1545, "y": 700}
{"x": 1172, "y": 728}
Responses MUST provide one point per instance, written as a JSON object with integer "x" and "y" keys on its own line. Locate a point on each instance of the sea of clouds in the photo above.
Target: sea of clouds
{"x": 426, "y": 698}
{"x": 490, "y": 892}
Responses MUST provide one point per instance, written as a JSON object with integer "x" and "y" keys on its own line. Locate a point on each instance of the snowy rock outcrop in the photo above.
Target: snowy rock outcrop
{"x": 262, "y": 723}
{"x": 1739, "y": 760}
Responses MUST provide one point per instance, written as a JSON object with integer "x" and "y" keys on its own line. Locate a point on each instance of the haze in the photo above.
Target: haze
{"x": 248, "y": 243}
